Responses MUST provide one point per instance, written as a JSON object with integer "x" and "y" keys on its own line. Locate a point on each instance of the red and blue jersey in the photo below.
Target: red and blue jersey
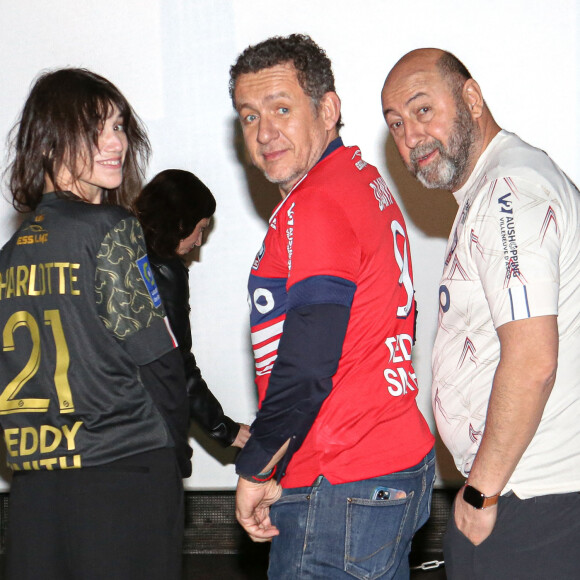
{"x": 332, "y": 318}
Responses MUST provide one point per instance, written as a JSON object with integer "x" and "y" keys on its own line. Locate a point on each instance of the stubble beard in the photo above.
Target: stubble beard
{"x": 281, "y": 181}
{"x": 449, "y": 170}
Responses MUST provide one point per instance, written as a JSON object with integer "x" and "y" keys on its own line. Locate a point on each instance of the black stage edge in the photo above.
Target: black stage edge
{"x": 215, "y": 546}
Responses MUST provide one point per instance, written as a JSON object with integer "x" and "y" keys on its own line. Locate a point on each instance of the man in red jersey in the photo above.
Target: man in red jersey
{"x": 339, "y": 469}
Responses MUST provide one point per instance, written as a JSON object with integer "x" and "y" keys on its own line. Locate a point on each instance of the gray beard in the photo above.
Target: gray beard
{"x": 449, "y": 170}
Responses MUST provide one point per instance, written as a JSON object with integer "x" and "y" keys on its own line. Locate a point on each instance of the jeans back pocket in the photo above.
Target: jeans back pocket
{"x": 374, "y": 529}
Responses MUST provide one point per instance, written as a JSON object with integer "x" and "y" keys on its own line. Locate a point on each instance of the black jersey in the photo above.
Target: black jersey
{"x": 79, "y": 314}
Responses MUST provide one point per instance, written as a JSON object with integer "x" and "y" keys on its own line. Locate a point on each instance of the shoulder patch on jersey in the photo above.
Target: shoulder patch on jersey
{"x": 382, "y": 193}
{"x": 149, "y": 279}
{"x": 259, "y": 257}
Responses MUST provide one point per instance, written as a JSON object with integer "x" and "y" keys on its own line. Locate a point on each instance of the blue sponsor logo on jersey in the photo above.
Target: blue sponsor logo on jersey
{"x": 444, "y": 298}
{"x": 267, "y": 297}
{"x": 149, "y": 279}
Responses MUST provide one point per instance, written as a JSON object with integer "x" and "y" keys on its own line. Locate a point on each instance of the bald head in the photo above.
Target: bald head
{"x": 419, "y": 59}
{"x": 431, "y": 60}
{"x": 437, "y": 116}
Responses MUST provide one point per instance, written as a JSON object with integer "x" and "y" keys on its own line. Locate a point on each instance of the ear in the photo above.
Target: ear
{"x": 329, "y": 108}
{"x": 473, "y": 98}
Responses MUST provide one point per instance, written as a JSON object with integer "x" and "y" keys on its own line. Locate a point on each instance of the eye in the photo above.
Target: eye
{"x": 119, "y": 127}
{"x": 249, "y": 118}
{"x": 395, "y": 125}
{"x": 423, "y": 110}
{"x": 283, "y": 110}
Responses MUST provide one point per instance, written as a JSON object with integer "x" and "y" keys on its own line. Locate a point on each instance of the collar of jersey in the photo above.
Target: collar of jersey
{"x": 332, "y": 146}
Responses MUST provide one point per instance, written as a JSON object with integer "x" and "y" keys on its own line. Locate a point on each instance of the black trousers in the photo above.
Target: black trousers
{"x": 533, "y": 539}
{"x": 120, "y": 521}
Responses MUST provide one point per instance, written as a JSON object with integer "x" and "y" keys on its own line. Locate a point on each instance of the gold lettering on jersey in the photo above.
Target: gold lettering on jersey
{"x": 34, "y": 239}
{"x": 73, "y": 280}
{"x": 64, "y": 462}
{"x": 70, "y": 434}
{"x": 47, "y": 432}
{"x": 40, "y": 279}
{"x": 24, "y": 441}
{"x": 71, "y": 462}
{"x": 28, "y": 441}
{"x": 11, "y": 441}
{"x": 7, "y": 283}
{"x": 21, "y": 279}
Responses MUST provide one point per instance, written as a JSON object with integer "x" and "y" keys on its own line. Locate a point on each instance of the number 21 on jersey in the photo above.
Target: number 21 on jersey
{"x": 9, "y": 403}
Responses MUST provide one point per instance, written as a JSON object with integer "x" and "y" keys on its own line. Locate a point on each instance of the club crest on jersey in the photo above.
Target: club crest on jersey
{"x": 35, "y": 234}
{"x": 149, "y": 279}
{"x": 259, "y": 257}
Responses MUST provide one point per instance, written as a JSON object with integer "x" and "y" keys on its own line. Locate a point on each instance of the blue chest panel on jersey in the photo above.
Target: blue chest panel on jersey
{"x": 267, "y": 297}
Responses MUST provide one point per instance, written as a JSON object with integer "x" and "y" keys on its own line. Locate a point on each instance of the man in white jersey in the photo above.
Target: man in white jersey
{"x": 506, "y": 360}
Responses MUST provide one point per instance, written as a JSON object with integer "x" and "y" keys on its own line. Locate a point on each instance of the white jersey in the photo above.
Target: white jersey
{"x": 512, "y": 254}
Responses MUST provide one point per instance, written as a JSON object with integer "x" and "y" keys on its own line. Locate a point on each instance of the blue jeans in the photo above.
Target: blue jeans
{"x": 338, "y": 531}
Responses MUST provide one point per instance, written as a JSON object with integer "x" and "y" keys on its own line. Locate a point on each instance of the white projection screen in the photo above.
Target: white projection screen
{"x": 171, "y": 58}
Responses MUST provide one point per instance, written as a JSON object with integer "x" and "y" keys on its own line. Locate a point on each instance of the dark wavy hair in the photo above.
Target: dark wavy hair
{"x": 169, "y": 208}
{"x": 60, "y": 124}
{"x": 313, "y": 67}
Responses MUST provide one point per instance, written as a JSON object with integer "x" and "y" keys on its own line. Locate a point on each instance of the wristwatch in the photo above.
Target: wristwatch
{"x": 477, "y": 499}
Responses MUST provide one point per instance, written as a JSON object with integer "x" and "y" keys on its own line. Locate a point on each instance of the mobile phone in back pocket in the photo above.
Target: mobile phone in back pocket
{"x": 388, "y": 493}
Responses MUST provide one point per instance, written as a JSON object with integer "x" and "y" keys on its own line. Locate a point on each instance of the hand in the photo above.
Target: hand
{"x": 242, "y": 436}
{"x": 475, "y": 524}
{"x": 253, "y": 501}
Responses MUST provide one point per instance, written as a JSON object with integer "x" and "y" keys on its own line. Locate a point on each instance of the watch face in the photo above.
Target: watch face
{"x": 473, "y": 497}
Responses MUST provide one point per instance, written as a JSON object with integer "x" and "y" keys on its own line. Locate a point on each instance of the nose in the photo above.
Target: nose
{"x": 111, "y": 140}
{"x": 413, "y": 133}
{"x": 267, "y": 131}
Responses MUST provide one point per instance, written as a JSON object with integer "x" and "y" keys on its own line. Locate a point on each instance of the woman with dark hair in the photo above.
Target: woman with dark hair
{"x": 61, "y": 122}
{"x": 94, "y": 405}
{"x": 174, "y": 209}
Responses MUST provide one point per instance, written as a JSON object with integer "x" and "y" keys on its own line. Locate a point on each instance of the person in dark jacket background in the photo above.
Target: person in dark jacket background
{"x": 174, "y": 209}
